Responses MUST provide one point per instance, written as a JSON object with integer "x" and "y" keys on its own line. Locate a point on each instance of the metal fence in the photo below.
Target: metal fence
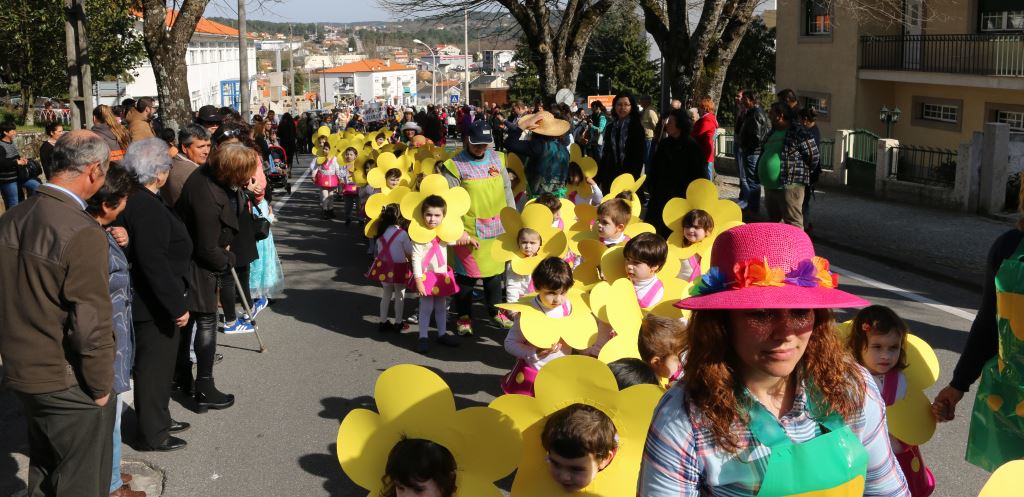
{"x": 43, "y": 116}
{"x": 825, "y": 149}
{"x": 923, "y": 165}
{"x": 983, "y": 54}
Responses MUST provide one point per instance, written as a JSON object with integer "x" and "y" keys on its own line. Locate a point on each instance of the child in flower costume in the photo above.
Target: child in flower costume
{"x": 391, "y": 267}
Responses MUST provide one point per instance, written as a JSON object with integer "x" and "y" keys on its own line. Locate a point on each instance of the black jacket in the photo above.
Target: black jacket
{"x": 244, "y": 244}
{"x": 754, "y": 128}
{"x": 8, "y": 165}
{"x": 212, "y": 223}
{"x": 634, "y": 157}
{"x": 676, "y": 163}
{"x": 160, "y": 252}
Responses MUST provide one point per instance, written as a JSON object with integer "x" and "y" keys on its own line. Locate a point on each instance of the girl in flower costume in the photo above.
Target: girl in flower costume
{"x": 878, "y": 340}
{"x": 391, "y": 267}
{"x": 769, "y": 404}
{"x": 328, "y": 176}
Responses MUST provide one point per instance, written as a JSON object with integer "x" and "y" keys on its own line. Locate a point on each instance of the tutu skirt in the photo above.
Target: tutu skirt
{"x": 266, "y": 278}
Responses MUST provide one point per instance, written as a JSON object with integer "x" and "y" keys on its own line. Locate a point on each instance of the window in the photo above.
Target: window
{"x": 818, "y": 20}
{"x": 1005, "y": 20}
{"x": 939, "y": 112}
{"x": 1014, "y": 119}
{"x": 819, "y": 103}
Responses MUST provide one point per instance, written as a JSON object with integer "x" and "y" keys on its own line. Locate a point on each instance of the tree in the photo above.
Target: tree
{"x": 618, "y": 50}
{"x": 752, "y": 68}
{"x": 34, "y": 56}
{"x": 556, "y": 38}
{"x": 524, "y": 84}
{"x": 166, "y": 44}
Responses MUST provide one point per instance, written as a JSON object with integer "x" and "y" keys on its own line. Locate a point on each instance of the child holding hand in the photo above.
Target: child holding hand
{"x": 327, "y": 176}
{"x": 878, "y": 340}
{"x": 661, "y": 345}
{"x": 391, "y": 267}
{"x": 697, "y": 225}
{"x": 552, "y": 278}
{"x": 433, "y": 277}
{"x": 349, "y": 188}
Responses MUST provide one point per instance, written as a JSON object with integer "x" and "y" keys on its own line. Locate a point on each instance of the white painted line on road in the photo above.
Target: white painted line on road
{"x": 906, "y": 294}
{"x": 295, "y": 187}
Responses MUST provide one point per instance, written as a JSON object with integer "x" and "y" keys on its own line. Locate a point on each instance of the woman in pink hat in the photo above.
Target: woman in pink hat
{"x": 770, "y": 404}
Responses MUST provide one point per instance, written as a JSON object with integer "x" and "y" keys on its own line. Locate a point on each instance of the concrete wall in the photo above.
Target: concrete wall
{"x": 950, "y": 17}
{"x": 208, "y": 63}
{"x": 972, "y": 112}
{"x": 1016, "y": 153}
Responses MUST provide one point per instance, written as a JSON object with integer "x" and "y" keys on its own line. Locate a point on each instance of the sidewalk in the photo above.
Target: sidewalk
{"x": 944, "y": 244}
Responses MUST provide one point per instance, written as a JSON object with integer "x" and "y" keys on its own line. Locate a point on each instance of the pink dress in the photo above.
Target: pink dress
{"x": 437, "y": 284}
{"x": 386, "y": 270}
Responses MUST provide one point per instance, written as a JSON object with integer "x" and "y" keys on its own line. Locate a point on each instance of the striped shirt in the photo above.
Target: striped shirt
{"x": 681, "y": 458}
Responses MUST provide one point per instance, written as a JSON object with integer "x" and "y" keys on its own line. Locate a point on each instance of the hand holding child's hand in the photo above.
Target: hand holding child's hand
{"x": 944, "y": 405}
{"x": 467, "y": 240}
{"x": 591, "y": 182}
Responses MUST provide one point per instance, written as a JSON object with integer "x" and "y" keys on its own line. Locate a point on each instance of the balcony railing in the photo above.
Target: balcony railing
{"x": 980, "y": 54}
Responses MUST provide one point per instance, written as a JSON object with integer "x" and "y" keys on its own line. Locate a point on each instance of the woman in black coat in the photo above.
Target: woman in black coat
{"x": 623, "y": 142}
{"x": 210, "y": 205}
{"x": 160, "y": 254}
{"x": 287, "y": 137}
{"x": 676, "y": 163}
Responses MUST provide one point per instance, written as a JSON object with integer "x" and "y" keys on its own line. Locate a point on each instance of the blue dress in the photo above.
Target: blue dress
{"x": 266, "y": 278}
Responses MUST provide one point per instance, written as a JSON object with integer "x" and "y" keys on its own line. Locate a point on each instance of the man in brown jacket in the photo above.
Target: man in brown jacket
{"x": 139, "y": 119}
{"x": 56, "y": 332}
{"x": 194, "y": 142}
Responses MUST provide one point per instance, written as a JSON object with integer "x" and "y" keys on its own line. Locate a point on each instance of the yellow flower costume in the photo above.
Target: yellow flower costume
{"x": 700, "y": 194}
{"x": 578, "y": 330}
{"x": 451, "y": 228}
{"x": 613, "y": 268}
{"x": 515, "y": 165}
{"x": 385, "y": 162}
{"x": 626, "y": 182}
{"x": 589, "y": 167}
{"x": 376, "y": 203}
{"x": 538, "y": 218}
{"x": 1007, "y": 480}
{"x": 416, "y": 403}
{"x": 580, "y": 379}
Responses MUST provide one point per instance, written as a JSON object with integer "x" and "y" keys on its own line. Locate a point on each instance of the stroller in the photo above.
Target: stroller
{"x": 277, "y": 172}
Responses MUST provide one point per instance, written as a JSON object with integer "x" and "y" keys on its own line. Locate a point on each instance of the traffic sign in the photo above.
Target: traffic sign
{"x": 454, "y": 99}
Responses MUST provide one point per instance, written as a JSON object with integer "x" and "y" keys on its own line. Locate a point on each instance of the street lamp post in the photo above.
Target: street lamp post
{"x": 433, "y": 73}
{"x": 889, "y": 117}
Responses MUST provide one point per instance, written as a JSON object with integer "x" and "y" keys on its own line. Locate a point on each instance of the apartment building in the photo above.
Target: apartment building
{"x": 949, "y": 66}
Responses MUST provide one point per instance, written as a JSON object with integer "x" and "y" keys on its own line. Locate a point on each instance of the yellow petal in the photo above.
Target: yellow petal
{"x": 1006, "y": 480}
{"x": 910, "y": 419}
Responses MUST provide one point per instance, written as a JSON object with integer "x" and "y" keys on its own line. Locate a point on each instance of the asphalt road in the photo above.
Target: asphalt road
{"x": 324, "y": 354}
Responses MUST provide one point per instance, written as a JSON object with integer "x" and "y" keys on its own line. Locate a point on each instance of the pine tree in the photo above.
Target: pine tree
{"x": 524, "y": 84}
{"x": 619, "y": 51}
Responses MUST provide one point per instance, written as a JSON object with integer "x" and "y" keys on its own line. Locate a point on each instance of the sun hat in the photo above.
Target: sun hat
{"x": 544, "y": 123}
{"x": 767, "y": 266}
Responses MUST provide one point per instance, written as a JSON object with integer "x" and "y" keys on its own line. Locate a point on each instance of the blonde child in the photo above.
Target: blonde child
{"x": 878, "y": 340}
{"x": 575, "y": 178}
{"x": 517, "y": 285}
{"x": 552, "y": 278}
{"x": 612, "y": 218}
{"x": 391, "y": 267}
{"x": 433, "y": 277}
{"x": 349, "y": 188}
{"x": 661, "y": 345}
{"x": 580, "y": 442}
{"x": 418, "y": 467}
{"x": 697, "y": 225}
{"x": 327, "y": 176}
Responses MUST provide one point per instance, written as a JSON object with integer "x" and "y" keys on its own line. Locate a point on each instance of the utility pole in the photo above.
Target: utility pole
{"x": 243, "y": 63}
{"x": 465, "y": 41}
{"x": 79, "y": 69}
{"x": 291, "y": 66}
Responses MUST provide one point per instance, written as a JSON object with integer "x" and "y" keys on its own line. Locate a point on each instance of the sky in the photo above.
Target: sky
{"x": 302, "y": 10}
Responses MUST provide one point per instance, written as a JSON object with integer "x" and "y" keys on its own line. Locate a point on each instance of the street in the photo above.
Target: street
{"x": 324, "y": 354}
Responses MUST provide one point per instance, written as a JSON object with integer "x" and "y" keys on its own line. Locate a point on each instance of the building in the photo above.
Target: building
{"x": 444, "y": 92}
{"x": 497, "y": 60}
{"x": 950, "y": 66}
{"x": 212, "y": 65}
{"x": 370, "y": 80}
{"x": 447, "y": 50}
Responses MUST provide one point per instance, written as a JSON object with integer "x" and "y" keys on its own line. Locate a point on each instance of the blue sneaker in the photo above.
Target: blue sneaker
{"x": 258, "y": 305}
{"x": 239, "y": 326}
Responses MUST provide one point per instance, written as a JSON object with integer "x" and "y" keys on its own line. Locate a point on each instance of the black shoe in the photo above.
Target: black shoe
{"x": 172, "y": 443}
{"x": 423, "y": 345}
{"x": 178, "y": 426}
{"x": 183, "y": 385}
{"x": 385, "y": 326}
{"x": 448, "y": 340}
{"x": 398, "y": 326}
{"x": 208, "y": 397}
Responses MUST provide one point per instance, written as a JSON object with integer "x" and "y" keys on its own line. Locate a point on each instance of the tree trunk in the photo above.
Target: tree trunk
{"x": 166, "y": 48}
{"x": 28, "y": 95}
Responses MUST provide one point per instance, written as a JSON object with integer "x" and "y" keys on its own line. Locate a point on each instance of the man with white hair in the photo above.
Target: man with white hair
{"x": 56, "y": 328}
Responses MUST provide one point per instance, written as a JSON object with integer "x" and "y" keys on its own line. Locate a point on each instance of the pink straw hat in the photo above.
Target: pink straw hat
{"x": 767, "y": 266}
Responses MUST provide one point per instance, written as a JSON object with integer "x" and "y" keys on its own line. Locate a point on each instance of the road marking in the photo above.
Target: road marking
{"x": 960, "y": 313}
{"x": 295, "y": 188}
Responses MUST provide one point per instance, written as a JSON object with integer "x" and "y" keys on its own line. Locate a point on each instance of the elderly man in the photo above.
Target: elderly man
{"x": 194, "y": 141}
{"x": 481, "y": 171}
{"x": 56, "y": 331}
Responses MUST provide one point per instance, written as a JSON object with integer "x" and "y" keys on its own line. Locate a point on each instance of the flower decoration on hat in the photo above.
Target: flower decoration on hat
{"x": 514, "y": 164}
{"x": 414, "y": 402}
{"x": 580, "y": 379}
{"x": 376, "y": 203}
{"x": 809, "y": 273}
{"x": 537, "y": 217}
{"x": 910, "y": 419}
{"x": 451, "y": 227}
{"x": 578, "y": 329}
{"x": 623, "y": 183}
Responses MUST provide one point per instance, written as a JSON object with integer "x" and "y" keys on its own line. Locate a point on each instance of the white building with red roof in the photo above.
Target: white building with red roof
{"x": 370, "y": 80}
{"x": 212, "y": 65}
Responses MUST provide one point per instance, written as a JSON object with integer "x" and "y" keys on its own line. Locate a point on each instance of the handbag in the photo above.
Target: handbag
{"x": 32, "y": 170}
{"x": 260, "y": 224}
